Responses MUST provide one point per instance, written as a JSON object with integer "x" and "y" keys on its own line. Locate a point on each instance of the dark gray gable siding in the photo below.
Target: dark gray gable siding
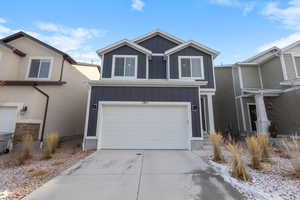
{"x": 124, "y": 50}
{"x": 157, "y": 44}
{"x": 157, "y": 68}
{"x": 191, "y": 51}
{"x": 113, "y": 93}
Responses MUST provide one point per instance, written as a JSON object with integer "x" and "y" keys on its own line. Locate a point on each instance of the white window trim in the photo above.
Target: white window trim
{"x": 124, "y": 77}
{"x": 191, "y": 78}
{"x": 40, "y": 58}
{"x": 294, "y": 63}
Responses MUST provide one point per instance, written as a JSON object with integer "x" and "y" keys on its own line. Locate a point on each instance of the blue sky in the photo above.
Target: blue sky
{"x": 237, "y": 28}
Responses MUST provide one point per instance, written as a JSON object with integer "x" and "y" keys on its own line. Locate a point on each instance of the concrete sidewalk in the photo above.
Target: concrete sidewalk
{"x": 138, "y": 175}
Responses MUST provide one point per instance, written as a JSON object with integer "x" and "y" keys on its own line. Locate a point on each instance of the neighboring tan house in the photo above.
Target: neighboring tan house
{"x": 43, "y": 90}
{"x": 155, "y": 92}
{"x": 259, "y": 90}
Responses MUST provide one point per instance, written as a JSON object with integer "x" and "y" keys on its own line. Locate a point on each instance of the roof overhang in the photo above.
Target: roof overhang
{"x": 30, "y": 83}
{"x": 194, "y": 44}
{"x": 290, "y": 83}
{"x": 22, "y": 34}
{"x": 160, "y": 33}
{"x": 147, "y": 83}
{"x": 267, "y": 54}
{"x": 266, "y": 92}
{"x": 291, "y": 46}
{"x": 13, "y": 49}
{"x": 122, "y": 43}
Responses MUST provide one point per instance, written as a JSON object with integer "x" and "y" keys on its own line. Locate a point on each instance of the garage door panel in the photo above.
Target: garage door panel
{"x": 144, "y": 127}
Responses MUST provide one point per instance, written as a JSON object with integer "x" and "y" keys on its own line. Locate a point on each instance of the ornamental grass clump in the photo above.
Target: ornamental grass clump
{"x": 263, "y": 140}
{"x": 51, "y": 144}
{"x": 238, "y": 170}
{"x": 26, "y": 154}
{"x": 255, "y": 151}
{"x": 293, "y": 149}
{"x": 217, "y": 141}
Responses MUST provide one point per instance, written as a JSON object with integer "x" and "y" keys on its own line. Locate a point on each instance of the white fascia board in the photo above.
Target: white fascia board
{"x": 285, "y": 49}
{"x": 262, "y": 91}
{"x": 149, "y": 83}
{"x": 253, "y": 58}
{"x": 194, "y": 44}
{"x": 290, "y": 83}
{"x": 121, "y": 43}
{"x": 161, "y": 33}
{"x": 244, "y": 63}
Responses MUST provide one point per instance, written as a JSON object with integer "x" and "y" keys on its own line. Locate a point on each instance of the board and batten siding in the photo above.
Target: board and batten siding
{"x": 124, "y": 50}
{"x": 154, "y": 94}
{"x": 191, "y": 51}
{"x": 272, "y": 74}
{"x": 157, "y": 68}
{"x": 157, "y": 44}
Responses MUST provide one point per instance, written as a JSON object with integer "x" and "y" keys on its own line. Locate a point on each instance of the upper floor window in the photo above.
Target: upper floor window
{"x": 39, "y": 68}
{"x": 297, "y": 63}
{"x": 191, "y": 67}
{"x": 124, "y": 66}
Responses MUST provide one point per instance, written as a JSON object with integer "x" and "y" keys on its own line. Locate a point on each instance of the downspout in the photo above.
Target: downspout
{"x": 45, "y": 112}
{"x": 62, "y": 68}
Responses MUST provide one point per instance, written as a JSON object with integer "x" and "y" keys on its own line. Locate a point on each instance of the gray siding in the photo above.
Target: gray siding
{"x": 224, "y": 101}
{"x": 272, "y": 75}
{"x": 285, "y": 111}
{"x": 250, "y": 77}
{"x": 124, "y": 50}
{"x": 157, "y": 68}
{"x": 190, "y": 51}
{"x": 157, "y": 44}
{"x": 107, "y": 93}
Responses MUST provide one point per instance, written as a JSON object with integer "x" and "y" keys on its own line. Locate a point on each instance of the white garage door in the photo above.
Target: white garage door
{"x": 144, "y": 126}
{"x": 8, "y": 117}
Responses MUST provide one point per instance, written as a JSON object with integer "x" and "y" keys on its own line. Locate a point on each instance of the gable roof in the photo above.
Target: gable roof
{"x": 22, "y": 34}
{"x": 13, "y": 49}
{"x": 160, "y": 33}
{"x": 263, "y": 56}
{"x": 122, "y": 43}
{"x": 196, "y": 45}
{"x": 291, "y": 46}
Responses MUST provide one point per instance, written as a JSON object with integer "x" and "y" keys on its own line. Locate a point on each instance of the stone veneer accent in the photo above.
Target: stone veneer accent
{"x": 26, "y": 128}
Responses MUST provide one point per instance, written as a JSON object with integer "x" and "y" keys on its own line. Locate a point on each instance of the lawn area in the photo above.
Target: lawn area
{"x": 16, "y": 181}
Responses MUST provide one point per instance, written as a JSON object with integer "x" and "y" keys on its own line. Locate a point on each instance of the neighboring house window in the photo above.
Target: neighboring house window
{"x": 191, "y": 67}
{"x": 297, "y": 62}
{"x": 39, "y": 68}
{"x": 124, "y": 66}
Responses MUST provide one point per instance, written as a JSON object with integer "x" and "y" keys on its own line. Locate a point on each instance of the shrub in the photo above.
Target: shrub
{"x": 52, "y": 142}
{"x": 263, "y": 140}
{"x": 292, "y": 148}
{"x": 255, "y": 151}
{"x": 217, "y": 140}
{"x": 238, "y": 168}
{"x": 46, "y": 153}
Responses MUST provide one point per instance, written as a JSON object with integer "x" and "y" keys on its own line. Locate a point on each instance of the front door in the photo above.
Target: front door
{"x": 253, "y": 116}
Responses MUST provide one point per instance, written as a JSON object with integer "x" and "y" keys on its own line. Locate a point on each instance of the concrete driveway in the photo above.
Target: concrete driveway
{"x": 138, "y": 175}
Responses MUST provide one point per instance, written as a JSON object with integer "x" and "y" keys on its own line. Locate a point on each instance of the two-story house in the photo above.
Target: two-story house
{"x": 259, "y": 90}
{"x": 42, "y": 89}
{"x": 155, "y": 92}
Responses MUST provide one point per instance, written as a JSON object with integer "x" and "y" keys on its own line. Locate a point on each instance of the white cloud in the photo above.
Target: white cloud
{"x": 246, "y": 6}
{"x": 2, "y": 20}
{"x": 282, "y": 42}
{"x": 289, "y": 16}
{"x": 137, "y": 5}
{"x": 74, "y": 41}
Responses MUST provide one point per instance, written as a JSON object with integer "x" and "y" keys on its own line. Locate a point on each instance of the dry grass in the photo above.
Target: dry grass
{"x": 217, "y": 141}
{"x": 26, "y": 153}
{"x": 238, "y": 167}
{"x": 51, "y": 144}
{"x": 255, "y": 151}
{"x": 292, "y": 148}
{"x": 57, "y": 162}
{"x": 263, "y": 140}
{"x": 37, "y": 172}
